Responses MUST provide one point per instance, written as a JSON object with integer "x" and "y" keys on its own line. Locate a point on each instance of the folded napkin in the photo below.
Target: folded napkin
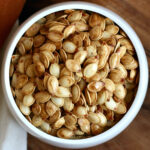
{"x": 12, "y": 135}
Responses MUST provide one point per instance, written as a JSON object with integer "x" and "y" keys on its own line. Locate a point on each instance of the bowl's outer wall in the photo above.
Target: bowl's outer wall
{"x": 112, "y": 132}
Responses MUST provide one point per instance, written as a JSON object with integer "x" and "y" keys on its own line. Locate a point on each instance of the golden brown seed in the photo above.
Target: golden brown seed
{"x": 75, "y": 16}
{"x": 93, "y": 118}
{"x": 129, "y": 62}
{"x": 121, "y": 51}
{"x": 68, "y": 105}
{"x": 28, "y": 100}
{"x": 36, "y": 109}
{"x": 95, "y": 86}
{"x": 90, "y": 70}
{"x": 121, "y": 109}
{"x": 33, "y": 30}
{"x": 123, "y": 70}
{"x": 51, "y": 108}
{"x": 95, "y": 20}
{"x": 39, "y": 84}
{"x": 24, "y": 109}
{"x": 57, "y": 27}
{"x": 28, "y": 88}
{"x": 55, "y": 36}
{"x": 120, "y": 91}
{"x": 66, "y": 81}
{"x": 102, "y": 97}
{"x": 21, "y": 81}
{"x": 42, "y": 97}
{"x": 54, "y": 70}
{"x": 59, "y": 123}
{"x": 80, "y": 56}
{"x": 84, "y": 125}
{"x": 30, "y": 71}
{"x": 65, "y": 133}
{"x": 125, "y": 42}
{"x": 91, "y": 97}
{"x": 36, "y": 121}
{"x": 111, "y": 104}
{"x": 38, "y": 40}
{"x": 45, "y": 127}
{"x": 114, "y": 60}
{"x": 103, "y": 119}
{"x": 75, "y": 90}
{"x": 80, "y": 111}
{"x": 82, "y": 84}
{"x": 113, "y": 29}
{"x": 96, "y": 129}
{"x": 58, "y": 101}
{"x": 96, "y": 33}
{"x": 52, "y": 84}
{"x": 80, "y": 26}
{"x": 69, "y": 30}
{"x": 109, "y": 85}
{"x": 27, "y": 42}
{"x": 48, "y": 47}
{"x": 21, "y": 48}
{"x": 11, "y": 70}
{"x": 39, "y": 68}
{"x": 116, "y": 76}
{"x": 62, "y": 92}
{"x": 55, "y": 117}
{"x": 91, "y": 51}
{"x": 72, "y": 65}
{"x": 69, "y": 46}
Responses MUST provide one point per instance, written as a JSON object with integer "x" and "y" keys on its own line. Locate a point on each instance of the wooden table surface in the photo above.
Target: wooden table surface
{"x": 137, "y": 14}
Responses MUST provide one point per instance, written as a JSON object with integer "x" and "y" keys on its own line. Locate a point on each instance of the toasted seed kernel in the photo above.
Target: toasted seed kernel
{"x": 66, "y": 81}
{"x": 58, "y": 101}
{"x": 24, "y": 109}
{"x": 102, "y": 97}
{"x": 96, "y": 129}
{"x": 111, "y": 104}
{"x": 36, "y": 109}
{"x": 33, "y": 30}
{"x": 55, "y": 36}
{"x": 84, "y": 125}
{"x": 120, "y": 91}
{"x": 38, "y": 40}
{"x": 72, "y": 65}
{"x": 36, "y": 121}
{"x": 75, "y": 16}
{"x": 62, "y": 92}
{"x": 109, "y": 85}
{"x": 52, "y": 84}
{"x": 116, "y": 76}
{"x": 65, "y": 133}
{"x": 69, "y": 46}
{"x": 69, "y": 30}
{"x": 42, "y": 97}
{"x": 80, "y": 111}
{"x": 75, "y": 90}
{"x": 48, "y": 47}
{"x": 95, "y": 86}
{"x": 129, "y": 62}
{"x": 54, "y": 70}
{"x": 90, "y": 70}
{"x": 114, "y": 60}
{"x": 121, "y": 109}
{"x": 96, "y": 33}
{"x": 68, "y": 105}
{"x": 45, "y": 127}
{"x": 28, "y": 88}
{"x": 27, "y": 42}
{"x": 51, "y": 108}
{"x": 59, "y": 123}
{"x": 103, "y": 119}
{"x": 28, "y": 100}
{"x": 113, "y": 29}
{"x": 80, "y": 56}
{"x": 21, "y": 81}
{"x": 93, "y": 118}
{"x": 80, "y": 26}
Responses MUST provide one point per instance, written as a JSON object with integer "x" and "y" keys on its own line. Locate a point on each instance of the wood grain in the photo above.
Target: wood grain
{"x": 137, "y": 14}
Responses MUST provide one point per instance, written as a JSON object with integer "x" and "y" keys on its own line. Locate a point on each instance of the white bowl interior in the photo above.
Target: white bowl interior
{"x": 127, "y": 118}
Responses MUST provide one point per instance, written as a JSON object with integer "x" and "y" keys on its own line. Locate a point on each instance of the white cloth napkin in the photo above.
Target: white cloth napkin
{"x": 12, "y": 135}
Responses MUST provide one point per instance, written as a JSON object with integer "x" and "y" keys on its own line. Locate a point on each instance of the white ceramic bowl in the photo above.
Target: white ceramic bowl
{"x": 112, "y": 132}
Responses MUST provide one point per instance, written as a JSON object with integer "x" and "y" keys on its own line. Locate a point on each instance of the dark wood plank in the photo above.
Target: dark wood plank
{"x": 137, "y": 14}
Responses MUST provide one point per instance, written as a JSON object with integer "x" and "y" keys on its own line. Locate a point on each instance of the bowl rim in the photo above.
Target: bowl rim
{"x": 127, "y": 118}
